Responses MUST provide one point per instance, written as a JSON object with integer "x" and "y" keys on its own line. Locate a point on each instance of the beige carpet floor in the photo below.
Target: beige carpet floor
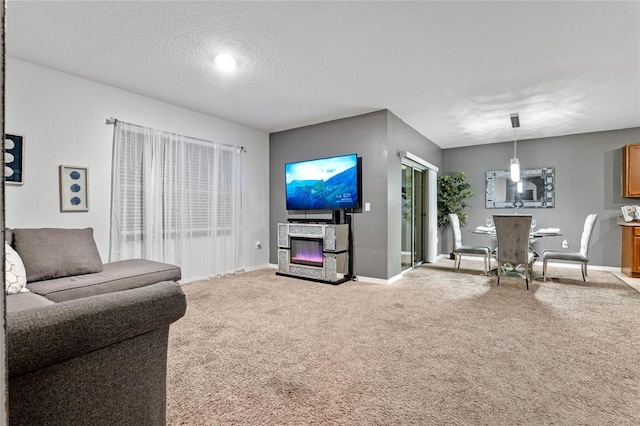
{"x": 435, "y": 348}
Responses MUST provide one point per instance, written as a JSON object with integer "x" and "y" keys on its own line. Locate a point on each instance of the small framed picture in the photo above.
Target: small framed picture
{"x": 74, "y": 189}
{"x": 13, "y": 159}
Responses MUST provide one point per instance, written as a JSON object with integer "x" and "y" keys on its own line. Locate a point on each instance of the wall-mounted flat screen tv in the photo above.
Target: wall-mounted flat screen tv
{"x": 323, "y": 184}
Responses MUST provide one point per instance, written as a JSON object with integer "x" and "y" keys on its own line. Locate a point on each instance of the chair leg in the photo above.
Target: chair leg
{"x": 585, "y": 278}
{"x": 499, "y": 270}
{"x": 456, "y": 263}
{"x": 544, "y": 270}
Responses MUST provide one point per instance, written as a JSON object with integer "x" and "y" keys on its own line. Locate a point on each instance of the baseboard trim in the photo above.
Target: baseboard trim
{"x": 398, "y": 277}
{"x": 371, "y": 280}
{"x": 573, "y": 265}
{"x": 263, "y": 266}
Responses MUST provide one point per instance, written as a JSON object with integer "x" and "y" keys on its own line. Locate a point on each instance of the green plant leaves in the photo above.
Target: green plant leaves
{"x": 453, "y": 190}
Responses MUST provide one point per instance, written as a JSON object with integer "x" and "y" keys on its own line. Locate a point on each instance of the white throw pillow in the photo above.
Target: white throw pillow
{"x": 14, "y": 272}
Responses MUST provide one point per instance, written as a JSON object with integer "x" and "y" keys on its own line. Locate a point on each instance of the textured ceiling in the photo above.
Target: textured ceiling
{"x": 454, "y": 71}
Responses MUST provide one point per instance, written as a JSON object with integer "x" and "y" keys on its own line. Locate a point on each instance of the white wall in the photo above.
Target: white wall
{"x": 63, "y": 119}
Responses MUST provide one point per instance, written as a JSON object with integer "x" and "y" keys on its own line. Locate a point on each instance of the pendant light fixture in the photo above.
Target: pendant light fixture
{"x": 515, "y": 163}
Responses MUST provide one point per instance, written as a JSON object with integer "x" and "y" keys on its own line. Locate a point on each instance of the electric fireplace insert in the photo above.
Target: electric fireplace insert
{"x": 306, "y": 251}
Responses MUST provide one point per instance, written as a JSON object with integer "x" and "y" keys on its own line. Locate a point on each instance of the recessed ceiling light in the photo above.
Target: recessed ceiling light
{"x": 225, "y": 62}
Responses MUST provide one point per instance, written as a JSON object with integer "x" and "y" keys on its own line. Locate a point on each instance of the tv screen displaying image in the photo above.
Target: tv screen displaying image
{"x": 323, "y": 184}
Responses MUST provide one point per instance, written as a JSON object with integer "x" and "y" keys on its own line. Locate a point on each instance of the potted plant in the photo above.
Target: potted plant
{"x": 453, "y": 190}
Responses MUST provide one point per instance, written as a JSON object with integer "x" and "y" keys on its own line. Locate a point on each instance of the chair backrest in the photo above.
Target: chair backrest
{"x": 457, "y": 234}
{"x": 587, "y": 234}
{"x": 512, "y": 232}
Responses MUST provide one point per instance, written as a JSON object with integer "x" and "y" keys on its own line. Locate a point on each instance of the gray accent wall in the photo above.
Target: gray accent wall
{"x": 403, "y": 137}
{"x": 376, "y": 138}
{"x": 588, "y": 180}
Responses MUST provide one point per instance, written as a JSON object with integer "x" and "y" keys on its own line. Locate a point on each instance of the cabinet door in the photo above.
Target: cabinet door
{"x": 631, "y": 170}
{"x": 635, "y": 261}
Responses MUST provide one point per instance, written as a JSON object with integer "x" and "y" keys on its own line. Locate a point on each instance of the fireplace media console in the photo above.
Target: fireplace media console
{"x": 314, "y": 251}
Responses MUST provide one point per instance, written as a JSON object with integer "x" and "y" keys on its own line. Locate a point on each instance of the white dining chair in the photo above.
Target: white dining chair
{"x": 513, "y": 251}
{"x": 581, "y": 256}
{"x": 459, "y": 249}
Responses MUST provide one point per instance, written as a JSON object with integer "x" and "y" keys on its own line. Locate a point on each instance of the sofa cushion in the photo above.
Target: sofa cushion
{"x": 115, "y": 276}
{"x": 23, "y": 301}
{"x": 50, "y": 253}
{"x": 15, "y": 277}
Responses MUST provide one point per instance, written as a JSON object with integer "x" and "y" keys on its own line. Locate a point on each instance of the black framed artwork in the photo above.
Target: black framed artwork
{"x": 13, "y": 159}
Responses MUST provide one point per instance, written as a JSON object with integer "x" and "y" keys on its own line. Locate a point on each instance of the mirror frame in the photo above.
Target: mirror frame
{"x": 547, "y": 200}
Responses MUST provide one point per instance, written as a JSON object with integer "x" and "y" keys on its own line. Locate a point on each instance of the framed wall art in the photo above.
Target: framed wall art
{"x": 74, "y": 189}
{"x": 13, "y": 159}
{"x": 537, "y": 189}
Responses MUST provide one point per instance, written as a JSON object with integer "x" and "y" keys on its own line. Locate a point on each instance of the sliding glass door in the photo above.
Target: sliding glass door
{"x": 413, "y": 189}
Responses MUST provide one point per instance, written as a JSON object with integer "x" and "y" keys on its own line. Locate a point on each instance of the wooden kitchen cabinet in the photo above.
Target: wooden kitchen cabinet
{"x": 631, "y": 249}
{"x": 631, "y": 170}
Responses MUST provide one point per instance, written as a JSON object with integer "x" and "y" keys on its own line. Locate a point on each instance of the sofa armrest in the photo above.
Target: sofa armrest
{"x": 47, "y": 335}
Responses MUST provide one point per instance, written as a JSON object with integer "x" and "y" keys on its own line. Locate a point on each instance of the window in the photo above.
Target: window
{"x": 170, "y": 192}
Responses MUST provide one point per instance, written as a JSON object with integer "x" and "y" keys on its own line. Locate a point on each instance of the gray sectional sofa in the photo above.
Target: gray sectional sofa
{"x": 87, "y": 344}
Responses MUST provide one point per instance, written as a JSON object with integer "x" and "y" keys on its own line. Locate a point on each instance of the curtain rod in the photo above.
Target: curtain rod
{"x": 113, "y": 120}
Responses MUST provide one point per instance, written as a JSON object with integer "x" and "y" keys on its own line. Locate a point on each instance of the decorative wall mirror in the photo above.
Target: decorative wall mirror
{"x": 538, "y": 189}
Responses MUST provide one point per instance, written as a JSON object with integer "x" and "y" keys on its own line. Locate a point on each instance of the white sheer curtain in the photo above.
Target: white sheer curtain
{"x": 176, "y": 199}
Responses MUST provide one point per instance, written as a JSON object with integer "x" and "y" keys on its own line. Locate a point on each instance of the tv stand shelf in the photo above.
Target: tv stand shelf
{"x": 320, "y": 221}
{"x": 344, "y": 279}
{"x": 314, "y": 251}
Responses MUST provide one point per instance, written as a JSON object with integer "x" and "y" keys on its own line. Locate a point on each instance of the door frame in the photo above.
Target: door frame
{"x": 430, "y": 198}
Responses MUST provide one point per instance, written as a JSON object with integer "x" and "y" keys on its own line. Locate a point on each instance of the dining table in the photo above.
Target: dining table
{"x": 540, "y": 233}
